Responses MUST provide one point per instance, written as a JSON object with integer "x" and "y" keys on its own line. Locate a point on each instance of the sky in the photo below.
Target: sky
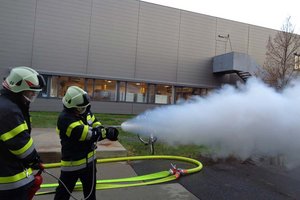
{"x": 266, "y": 13}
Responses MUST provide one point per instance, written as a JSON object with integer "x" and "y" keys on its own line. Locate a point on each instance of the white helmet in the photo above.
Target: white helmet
{"x": 76, "y": 97}
{"x": 23, "y": 79}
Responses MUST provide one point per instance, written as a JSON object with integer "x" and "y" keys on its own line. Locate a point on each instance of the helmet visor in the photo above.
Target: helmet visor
{"x": 82, "y": 109}
{"x": 30, "y": 95}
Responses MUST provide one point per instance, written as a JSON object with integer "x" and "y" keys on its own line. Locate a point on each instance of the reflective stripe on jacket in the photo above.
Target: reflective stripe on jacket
{"x": 91, "y": 119}
{"x": 16, "y": 181}
{"x": 8, "y": 137}
{"x": 79, "y": 164}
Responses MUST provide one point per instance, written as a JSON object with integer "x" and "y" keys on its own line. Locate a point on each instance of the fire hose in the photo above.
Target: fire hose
{"x": 148, "y": 179}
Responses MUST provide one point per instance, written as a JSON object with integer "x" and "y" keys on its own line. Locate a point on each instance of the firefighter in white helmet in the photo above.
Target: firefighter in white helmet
{"x": 18, "y": 155}
{"x": 79, "y": 130}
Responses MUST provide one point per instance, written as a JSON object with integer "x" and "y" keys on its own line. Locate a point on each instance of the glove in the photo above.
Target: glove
{"x": 98, "y": 133}
{"x": 37, "y": 164}
{"x": 112, "y": 133}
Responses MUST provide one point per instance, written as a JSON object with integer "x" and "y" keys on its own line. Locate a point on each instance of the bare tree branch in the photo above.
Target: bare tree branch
{"x": 278, "y": 69}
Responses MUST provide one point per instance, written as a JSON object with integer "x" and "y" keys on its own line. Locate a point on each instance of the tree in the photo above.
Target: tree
{"x": 278, "y": 69}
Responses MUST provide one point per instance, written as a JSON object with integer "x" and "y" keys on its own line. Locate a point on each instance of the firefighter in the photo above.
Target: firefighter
{"x": 18, "y": 156}
{"x": 79, "y": 130}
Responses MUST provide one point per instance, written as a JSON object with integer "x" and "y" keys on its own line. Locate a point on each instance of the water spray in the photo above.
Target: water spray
{"x": 241, "y": 121}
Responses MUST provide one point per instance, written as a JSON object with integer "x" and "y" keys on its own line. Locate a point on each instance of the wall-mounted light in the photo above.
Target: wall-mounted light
{"x": 227, "y": 38}
{"x": 224, "y": 36}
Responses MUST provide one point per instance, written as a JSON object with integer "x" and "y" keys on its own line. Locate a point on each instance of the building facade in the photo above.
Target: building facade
{"x": 129, "y": 55}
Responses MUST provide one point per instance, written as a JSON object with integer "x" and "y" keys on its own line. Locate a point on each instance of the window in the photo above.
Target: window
{"x": 163, "y": 94}
{"x": 59, "y": 85}
{"x": 44, "y": 92}
{"x": 105, "y": 90}
{"x": 187, "y": 92}
{"x": 183, "y": 93}
{"x": 136, "y": 92}
{"x": 122, "y": 91}
{"x": 90, "y": 87}
{"x": 53, "y": 86}
{"x": 151, "y": 93}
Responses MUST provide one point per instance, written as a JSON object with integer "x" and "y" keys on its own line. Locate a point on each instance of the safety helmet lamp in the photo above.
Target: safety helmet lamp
{"x": 76, "y": 97}
{"x": 22, "y": 79}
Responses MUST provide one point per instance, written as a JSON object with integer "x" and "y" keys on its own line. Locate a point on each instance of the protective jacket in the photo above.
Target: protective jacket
{"x": 17, "y": 151}
{"x": 77, "y": 145}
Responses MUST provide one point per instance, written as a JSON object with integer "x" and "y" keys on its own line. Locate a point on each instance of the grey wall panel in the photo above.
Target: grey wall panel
{"x": 158, "y": 36}
{"x": 139, "y": 108}
{"x": 52, "y": 105}
{"x": 120, "y": 108}
{"x": 55, "y": 105}
{"x": 196, "y": 48}
{"x": 112, "y": 107}
{"x": 3, "y": 73}
{"x": 113, "y": 38}
{"x": 258, "y": 40}
{"x": 16, "y": 32}
{"x": 99, "y": 107}
{"x": 61, "y": 35}
{"x": 238, "y": 36}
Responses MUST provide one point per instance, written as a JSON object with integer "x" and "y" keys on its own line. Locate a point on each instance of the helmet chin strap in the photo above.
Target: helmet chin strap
{"x": 26, "y": 98}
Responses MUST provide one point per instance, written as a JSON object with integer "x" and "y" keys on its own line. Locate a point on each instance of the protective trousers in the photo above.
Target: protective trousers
{"x": 87, "y": 177}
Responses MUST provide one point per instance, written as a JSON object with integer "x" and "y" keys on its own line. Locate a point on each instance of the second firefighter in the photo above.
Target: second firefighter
{"x": 79, "y": 130}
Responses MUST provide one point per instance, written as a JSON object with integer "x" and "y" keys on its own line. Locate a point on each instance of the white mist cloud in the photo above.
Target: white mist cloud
{"x": 252, "y": 119}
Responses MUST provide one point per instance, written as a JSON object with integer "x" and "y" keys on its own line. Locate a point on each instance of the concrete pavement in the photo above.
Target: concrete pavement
{"x": 48, "y": 145}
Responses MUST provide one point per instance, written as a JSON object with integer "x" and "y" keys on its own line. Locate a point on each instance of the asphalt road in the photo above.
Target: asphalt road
{"x": 233, "y": 180}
